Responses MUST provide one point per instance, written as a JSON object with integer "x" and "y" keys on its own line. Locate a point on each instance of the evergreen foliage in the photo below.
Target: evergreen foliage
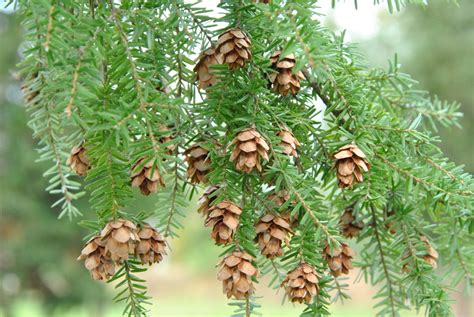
{"x": 111, "y": 73}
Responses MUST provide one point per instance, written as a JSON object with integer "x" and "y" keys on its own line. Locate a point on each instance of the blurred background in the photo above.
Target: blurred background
{"x": 39, "y": 275}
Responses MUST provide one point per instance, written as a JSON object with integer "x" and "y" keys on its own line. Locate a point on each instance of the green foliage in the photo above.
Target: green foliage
{"x": 111, "y": 74}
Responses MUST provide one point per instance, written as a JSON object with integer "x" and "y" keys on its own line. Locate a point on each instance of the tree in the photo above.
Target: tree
{"x": 301, "y": 144}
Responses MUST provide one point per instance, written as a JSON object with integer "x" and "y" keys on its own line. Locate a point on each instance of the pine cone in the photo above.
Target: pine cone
{"x": 207, "y": 199}
{"x": 120, "y": 238}
{"x": 165, "y": 138}
{"x": 429, "y": 257}
{"x": 288, "y": 142}
{"x": 276, "y": 200}
{"x": 250, "y": 148}
{"x": 199, "y": 163}
{"x": 272, "y": 230}
{"x": 350, "y": 228}
{"x": 431, "y": 254}
{"x": 350, "y": 163}
{"x": 224, "y": 219}
{"x": 301, "y": 284}
{"x": 78, "y": 160}
{"x": 236, "y": 275}
{"x": 151, "y": 247}
{"x": 143, "y": 178}
{"x": 99, "y": 264}
{"x": 339, "y": 259}
{"x": 204, "y": 74}
{"x": 283, "y": 80}
{"x": 234, "y": 46}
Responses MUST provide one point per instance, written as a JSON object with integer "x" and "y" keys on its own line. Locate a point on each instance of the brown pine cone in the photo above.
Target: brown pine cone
{"x": 236, "y": 275}
{"x": 224, "y": 218}
{"x": 429, "y": 257}
{"x": 283, "y": 80}
{"x": 350, "y": 228}
{"x": 99, "y": 264}
{"x": 207, "y": 199}
{"x": 390, "y": 224}
{"x": 350, "y": 163}
{"x": 250, "y": 149}
{"x": 199, "y": 163}
{"x": 272, "y": 231}
{"x": 120, "y": 238}
{"x": 301, "y": 284}
{"x": 431, "y": 254}
{"x": 278, "y": 199}
{"x": 204, "y": 74}
{"x": 234, "y": 46}
{"x": 151, "y": 247}
{"x": 78, "y": 160}
{"x": 288, "y": 142}
{"x": 146, "y": 176}
{"x": 165, "y": 138}
{"x": 339, "y": 259}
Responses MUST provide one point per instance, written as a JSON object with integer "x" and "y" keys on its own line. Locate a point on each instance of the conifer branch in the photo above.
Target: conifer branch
{"x": 383, "y": 262}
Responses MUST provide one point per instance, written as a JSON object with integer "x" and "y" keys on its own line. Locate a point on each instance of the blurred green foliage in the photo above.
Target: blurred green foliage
{"x": 435, "y": 45}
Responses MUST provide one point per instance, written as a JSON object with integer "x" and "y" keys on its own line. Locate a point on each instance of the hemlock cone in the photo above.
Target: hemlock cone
{"x": 301, "y": 284}
{"x": 204, "y": 74}
{"x": 350, "y": 228}
{"x": 288, "y": 142}
{"x": 120, "y": 238}
{"x": 97, "y": 261}
{"x": 430, "y": 256}
{"x": 350, "y": 164}
{"x": 199, "y": 163}
{"x": 236, "y": 275}
{"x": 339, "y": 259}
{"x": 78, "y": 160}
{"x": 283, "y": 80}
{"x": 250, "y": 149}
{"x": 146, "y": 176}
{"x": 272, "y": 230}
{"x": 224, "y": 218}
{"x": 234, "y": 46}
{"x": 207, "y": 199}
{"x": 165, "y": 138}
{"x": 151, "y": 247}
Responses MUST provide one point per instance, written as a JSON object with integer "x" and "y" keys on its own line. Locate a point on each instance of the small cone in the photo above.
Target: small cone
{"x": 78, "y": 160}
{"x": 234, "y": 46}
{"x": 146, "y": 176}
{"x": 339, "y": 259}
{"x": 99, "y": 264}
{"x": 301, "y": 284}
{"x": 151, "y": 247}
{"x": 276, "y": 200}
{"x": 207, "y": 199}
{"x": 165, "y": 138}
{"x": 272, "y": 230}
{"x": 250, "y": 149}
{"x": 204, "y": 74}
{"x": 288, "y": 142}
{"x": 350, "y": 228}
{"x": 119, "y": 238}
{"x": 199, "y": 163}
{"x": 350, "y": 164}
{"x": 430, "y": 257}
{"x": 283, "y": 80}
{"x": 224, "y": 218}
{"x": 236, "y": 274}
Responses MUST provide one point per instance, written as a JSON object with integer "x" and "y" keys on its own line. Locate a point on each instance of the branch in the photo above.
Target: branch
{"x": 384, "y": 264}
